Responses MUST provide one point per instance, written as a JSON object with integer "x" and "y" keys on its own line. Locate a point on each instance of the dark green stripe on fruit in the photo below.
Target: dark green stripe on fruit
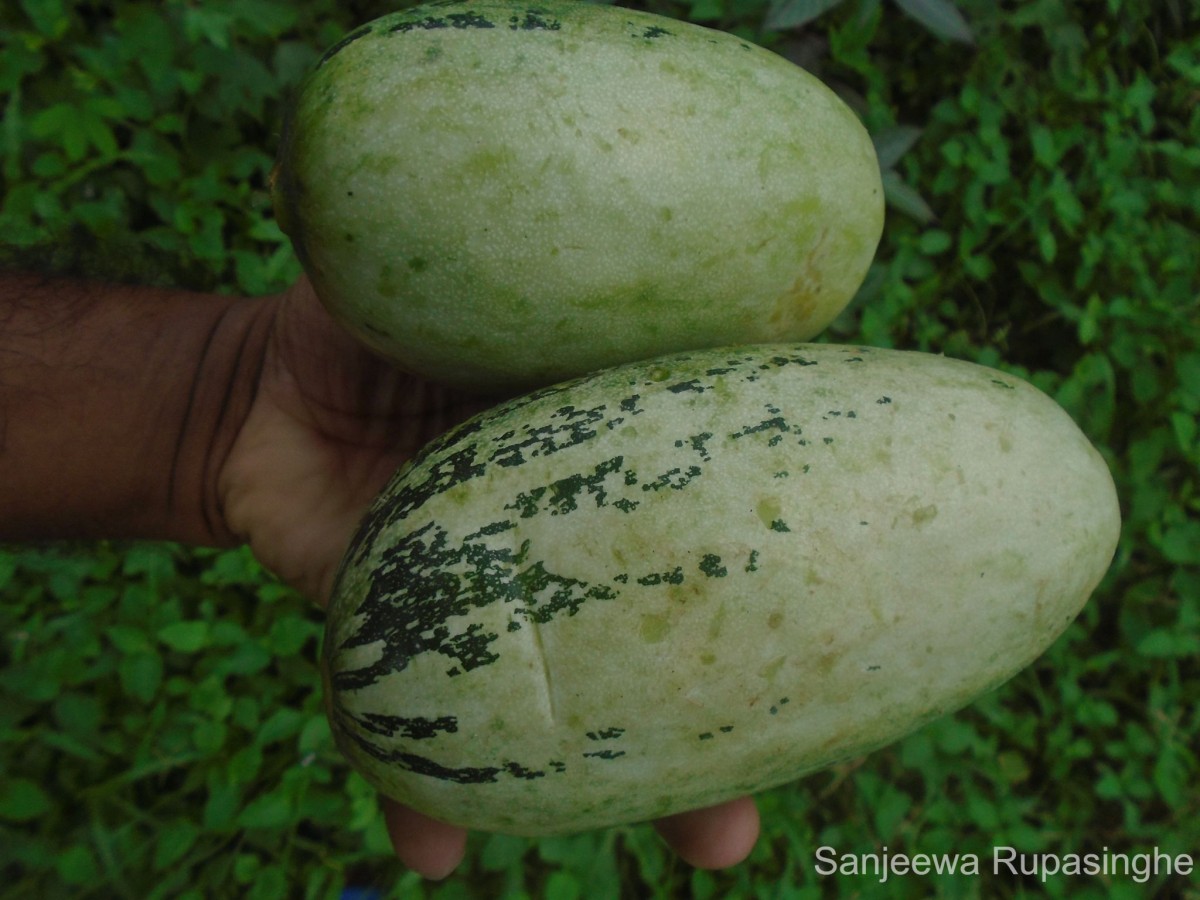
{"x": 604, "y": 754}
{"x": 424, "y": 583}
{"x": 454, "y": 20}
{"x": 425, "y": 586}
{"x": 343, "y": 43}
{"x": 534, "y": 21}
{"x": 562, "y": 496}
{"x": 412, "y": 762}
{"x": 411, "y": 727}
{"x": 605, "y": 734}
{"x": 423, "y": 765}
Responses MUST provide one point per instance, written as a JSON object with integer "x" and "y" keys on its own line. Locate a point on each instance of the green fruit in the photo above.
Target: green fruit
{"x": 501, "y": 195}
{"x": 678, "y": 581}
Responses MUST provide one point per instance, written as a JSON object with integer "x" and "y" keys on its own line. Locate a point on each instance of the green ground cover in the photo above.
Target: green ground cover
{"x": 160, "y": 728}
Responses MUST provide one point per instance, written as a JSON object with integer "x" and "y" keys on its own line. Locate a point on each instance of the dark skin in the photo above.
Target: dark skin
{"x": 133, "y": 412}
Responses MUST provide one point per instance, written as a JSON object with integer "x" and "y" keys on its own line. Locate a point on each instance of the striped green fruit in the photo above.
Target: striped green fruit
{"x": 678, "y": 581}
{"x": 502, "y": 195}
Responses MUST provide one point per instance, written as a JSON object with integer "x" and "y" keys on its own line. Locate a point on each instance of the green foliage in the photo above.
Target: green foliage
{"x": 152, "y": 128}
{"x": 941, "y": 17}
{"x": 160, "y": 721}
{"x": 162, "y": 734}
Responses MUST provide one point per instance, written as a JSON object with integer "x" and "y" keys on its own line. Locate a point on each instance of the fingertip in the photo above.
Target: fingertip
{"x": 715, "y": 837}
{"x": 430, "y": 848}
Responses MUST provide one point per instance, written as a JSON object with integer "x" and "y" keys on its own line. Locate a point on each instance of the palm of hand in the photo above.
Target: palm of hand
{"x": 328, "y": 426}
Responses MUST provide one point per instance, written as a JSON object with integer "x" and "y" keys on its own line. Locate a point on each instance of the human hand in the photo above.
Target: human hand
{"x": 328, "y": 425}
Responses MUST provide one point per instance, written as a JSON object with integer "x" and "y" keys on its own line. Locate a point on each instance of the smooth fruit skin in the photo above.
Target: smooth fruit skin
{"x": 501, "y": 195}
{"x": 679, "y": 581}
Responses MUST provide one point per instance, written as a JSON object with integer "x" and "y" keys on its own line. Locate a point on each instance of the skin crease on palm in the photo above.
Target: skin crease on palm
{"x": 328, "y": 425}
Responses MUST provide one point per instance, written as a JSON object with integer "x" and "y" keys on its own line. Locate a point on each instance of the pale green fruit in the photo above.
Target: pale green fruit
{"x": 679, "y": 581}
{"x": 501, "y": 196}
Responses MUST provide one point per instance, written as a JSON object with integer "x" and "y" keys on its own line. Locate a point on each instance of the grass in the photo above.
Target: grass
{"x": 160, "y": 728}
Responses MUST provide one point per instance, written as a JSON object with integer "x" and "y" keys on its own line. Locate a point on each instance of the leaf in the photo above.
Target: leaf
{"x": 905, "y": 199}
{"x": 1066, "y": 204}
{"x": 1013, "y": 767}
{"x": 227, "y": 634}
{"x": 245, "y": 867}
{"x": 941, "y": 17}
{"x": 61, "y": 122}
{"x": 1185, "y": 428}
{"x": 892, "y": 143}
{"x": 1162, "y": 643}
{"x": 568, "y": 850}
{"x": 22, "y": 801}
{"x": 128, "y": 639}
{"x": 785, "y": 14}
{"x": 233, "y": 567}
{"x": 563, "y": 886}
{"x": 141, "y": 675}
{"x": 50, "y": 165}
{"x": 134, "y": 103}
{"x": 8, "y": 568}
{"x": 1171, "y": 775}
{"x": 703, "y": 885}
{"x": 935, "y": 241}
{"x": 174, "y": 840}
{"x": 1045, "y": 151}
{"x": 78, "y": 713}
{"x": 208, "y": 25}
{"x": 292, "y": 61}
{"x": 315, "y": 735}
{"x": 283, "y": 723}
{"x": 154, "y": 561}
{"x": 272, "y": 810}
{"x": 266, "y": 17}
{"x": 78, "y": 866}
{"x": 186, "y": 637}
{"x": 48, "y": 16}
{"x": 221, "y": 806}
{"x": 246, "y": 659}
{"x": 270, "y": 883}
{"x": 1181, "y": 543}
{"x": 74, "y": 746}
{"x": 706, "y": 10}
{"x": 289, "y": 634}
{"x": 1187, "y": 368}
{"x": 983, "y": 811}
{"x": 209, "y": 737}
{"x": 245, "y": 765}
{"x": 890, "y": 810}
{"x": 1048, "y": 245}
{"x": 502, "y": 852}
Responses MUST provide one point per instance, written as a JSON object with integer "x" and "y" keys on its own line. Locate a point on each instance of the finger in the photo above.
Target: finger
{"x": 713, "y": 838}
{"x": 430, "y": 848}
